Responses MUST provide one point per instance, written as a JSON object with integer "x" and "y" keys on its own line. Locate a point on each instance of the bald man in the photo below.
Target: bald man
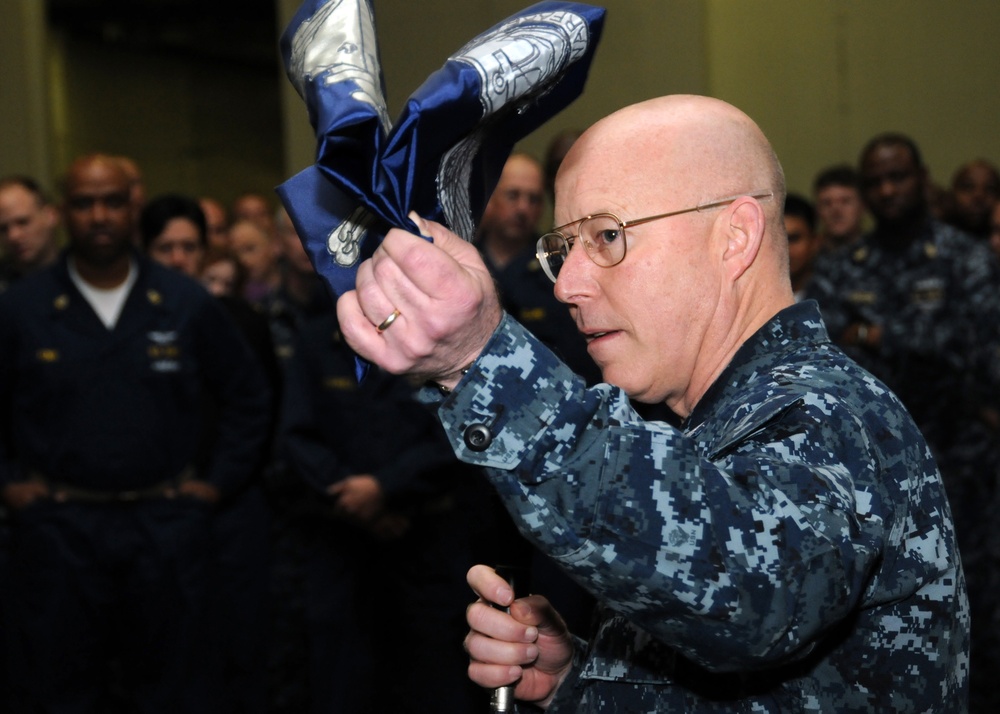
{"x": 28, "y": 223}
{"x": 510, "y": 220}
{"x": 789, "y": 548}
{"x": 975, "y": 190}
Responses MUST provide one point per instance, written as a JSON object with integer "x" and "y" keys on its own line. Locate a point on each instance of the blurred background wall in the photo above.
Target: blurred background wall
{"x": 194, "y": 91}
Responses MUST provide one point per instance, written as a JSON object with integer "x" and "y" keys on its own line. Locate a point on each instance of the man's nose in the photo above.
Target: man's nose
{"x": 886, "y": 187}
{"x": 981, "y": 196}
{"x": 522, "y": 205}
{"x": 99, "y": 211}
{"x": 575, "y": 278}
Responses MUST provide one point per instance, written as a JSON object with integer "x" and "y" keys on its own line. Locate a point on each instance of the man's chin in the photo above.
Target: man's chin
{"x": 626, "y": 382}
{"x": 102, "y": 256}
{"x": 645, "y": 396}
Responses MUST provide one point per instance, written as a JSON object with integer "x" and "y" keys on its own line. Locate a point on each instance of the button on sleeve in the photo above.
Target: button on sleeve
{"x": 478, "y": 437}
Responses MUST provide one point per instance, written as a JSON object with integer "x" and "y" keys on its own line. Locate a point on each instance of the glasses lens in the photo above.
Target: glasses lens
{"x": 552, "y": 250}
{"x": 604, "y": 239}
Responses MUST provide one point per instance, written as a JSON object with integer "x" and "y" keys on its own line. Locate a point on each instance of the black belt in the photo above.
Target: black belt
{"x": 163, "y": 489}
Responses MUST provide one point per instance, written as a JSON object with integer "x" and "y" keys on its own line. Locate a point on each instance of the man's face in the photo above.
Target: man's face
{"x": 515, "y": 207}
{"x": 802, "y": 246}
{"x": 253, "y": 208}
{"x": 975, "y": 192}
{"x": 178, "y": 247}
{"x": 840, "y": 210}
{"x": 100, "y": 219}
{"x": 644, "y": 318}
{"x": 219, "y": 278}
{"x": 893, "y": 184}
{"x": 216, "y": 228}
{"x": 27, "y": 228}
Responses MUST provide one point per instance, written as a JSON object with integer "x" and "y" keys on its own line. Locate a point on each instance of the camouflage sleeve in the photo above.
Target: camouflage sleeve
{"x": 743, "y": 558}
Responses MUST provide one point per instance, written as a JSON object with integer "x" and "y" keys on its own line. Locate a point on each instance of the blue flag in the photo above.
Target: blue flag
{"x": 443, "y": 156}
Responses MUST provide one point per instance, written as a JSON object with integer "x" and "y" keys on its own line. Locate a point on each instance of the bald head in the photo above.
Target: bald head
{"x": 687, "y": 149}
{"x": 680, "y": 151}
{"x": 975, "y": 190}
{"x": 109, "y": 166}
{"x": 692, "y": 285}
{"x": 100, "y": 217}
{"x": 511, "y": 217}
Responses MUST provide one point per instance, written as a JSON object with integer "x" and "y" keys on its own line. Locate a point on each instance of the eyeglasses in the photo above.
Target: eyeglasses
{"x": 603, "y": 235}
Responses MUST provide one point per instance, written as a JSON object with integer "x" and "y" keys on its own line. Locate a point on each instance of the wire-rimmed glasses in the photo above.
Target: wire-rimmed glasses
{"x": 603, "y": 235}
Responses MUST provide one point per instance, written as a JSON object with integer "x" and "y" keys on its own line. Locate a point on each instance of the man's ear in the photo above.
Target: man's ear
{"x": 744, "y": 236}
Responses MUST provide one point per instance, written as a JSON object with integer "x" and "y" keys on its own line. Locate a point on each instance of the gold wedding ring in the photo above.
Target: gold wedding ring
{"x": 384, "y": 325}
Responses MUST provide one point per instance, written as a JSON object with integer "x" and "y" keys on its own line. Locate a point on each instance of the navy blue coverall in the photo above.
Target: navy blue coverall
{"x": 382, "y": 614}
{"x": 116, "y": 574}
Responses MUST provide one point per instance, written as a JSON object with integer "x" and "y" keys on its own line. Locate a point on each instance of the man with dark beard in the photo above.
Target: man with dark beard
{"x": 104, "y": 361}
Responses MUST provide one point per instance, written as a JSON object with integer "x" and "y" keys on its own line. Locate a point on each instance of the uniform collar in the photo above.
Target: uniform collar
{"x": 767, "y": 349}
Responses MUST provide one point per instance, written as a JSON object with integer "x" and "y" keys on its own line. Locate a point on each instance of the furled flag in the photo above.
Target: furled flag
{"x": 444, "y": 155}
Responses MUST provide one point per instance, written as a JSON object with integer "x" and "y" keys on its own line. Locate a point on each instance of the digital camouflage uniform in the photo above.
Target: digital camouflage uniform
{"x": 526, "y": 294}
{"x": 938, "y": 301}
{"x": 791, "y": 549}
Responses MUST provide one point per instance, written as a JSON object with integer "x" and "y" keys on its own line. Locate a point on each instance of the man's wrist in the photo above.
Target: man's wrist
{"x": 447, "y": 384}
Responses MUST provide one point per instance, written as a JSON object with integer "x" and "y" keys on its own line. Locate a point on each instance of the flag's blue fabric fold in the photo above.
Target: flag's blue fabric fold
{"x": 443, "y": 156}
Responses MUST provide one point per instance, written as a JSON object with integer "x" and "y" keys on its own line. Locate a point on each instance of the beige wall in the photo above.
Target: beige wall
{"x": 196, "y": 127}
{"x": 820, "y": 76}
{"x": 24, "y": 116}
{"x": 824, "y": 76}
